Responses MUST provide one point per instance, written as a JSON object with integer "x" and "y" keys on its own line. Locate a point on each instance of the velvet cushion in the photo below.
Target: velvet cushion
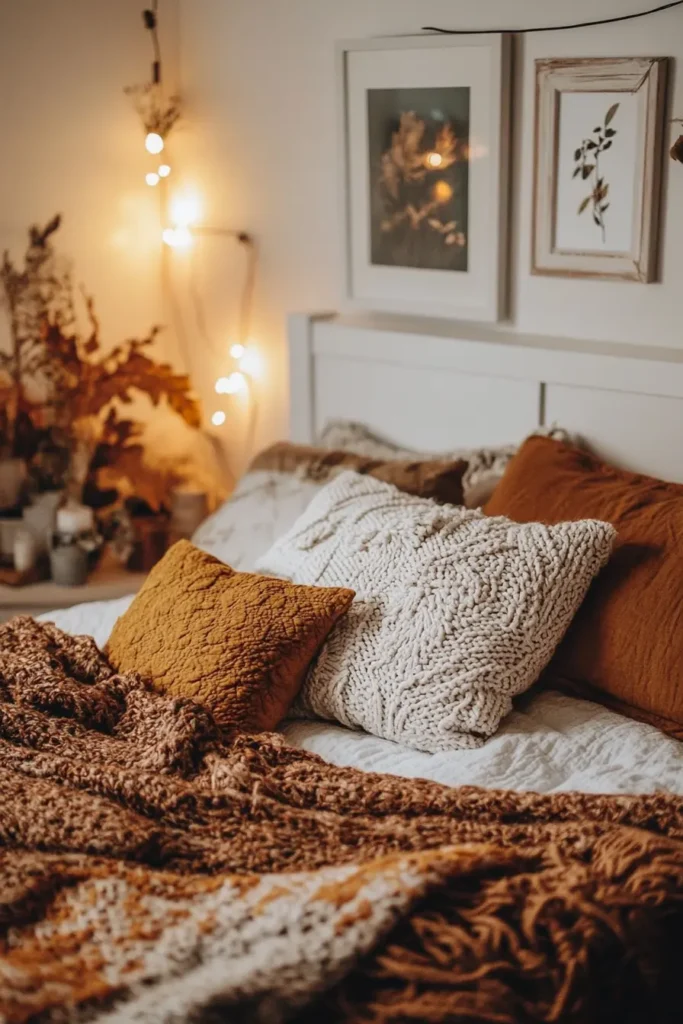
{"x": 235, "y": 642}
{"x": 625, "y": 646}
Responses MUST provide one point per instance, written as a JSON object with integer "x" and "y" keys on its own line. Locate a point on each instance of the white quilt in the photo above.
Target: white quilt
{"x": 549, "y": 743}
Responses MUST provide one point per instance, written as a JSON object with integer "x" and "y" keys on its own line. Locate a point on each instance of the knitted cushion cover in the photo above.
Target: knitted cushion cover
{"x": 455, "y": 612}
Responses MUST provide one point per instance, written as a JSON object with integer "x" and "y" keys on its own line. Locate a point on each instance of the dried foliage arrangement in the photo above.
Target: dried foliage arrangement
{"x": 156, "y": 113}
{"x": 65, "y": 392}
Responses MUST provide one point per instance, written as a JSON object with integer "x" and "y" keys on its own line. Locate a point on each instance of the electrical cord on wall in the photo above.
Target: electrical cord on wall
{"x": 245, "y": 311}
{"x": 552, "y": 28}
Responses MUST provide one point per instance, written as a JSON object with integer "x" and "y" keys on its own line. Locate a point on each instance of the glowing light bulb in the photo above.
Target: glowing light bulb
{"x": 251, "y": 362}
{"x": 163, "y": 170}
{"x": 434, "y": 159}
{"x": 177, "y": 238}
{"x": 154, "y": 142}
{"x": 185, "y": 209}
{"x": 218, "y": 418}
{"x": 232, "y": 384}
{"x": 151, "y": 178}
{"x": 237, "y": 351}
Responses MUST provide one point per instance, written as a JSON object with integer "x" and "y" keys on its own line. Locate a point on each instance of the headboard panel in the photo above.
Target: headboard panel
{"x": 422, "y": 385}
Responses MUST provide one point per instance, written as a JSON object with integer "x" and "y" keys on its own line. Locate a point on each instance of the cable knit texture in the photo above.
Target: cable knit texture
{"x": 455, "y": 612}
{"x": 235, "y": 642}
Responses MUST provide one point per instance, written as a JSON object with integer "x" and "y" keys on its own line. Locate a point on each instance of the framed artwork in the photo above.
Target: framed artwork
{"x": 598, "y": 160}
{"x": 424, "y": 144}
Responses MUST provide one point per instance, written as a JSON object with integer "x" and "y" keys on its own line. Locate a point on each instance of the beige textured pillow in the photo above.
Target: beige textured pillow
{"x": 485, "y": 466}
{"x": 455, "y": 612}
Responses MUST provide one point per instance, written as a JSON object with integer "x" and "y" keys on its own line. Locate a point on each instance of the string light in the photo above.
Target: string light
{"x": 218, "y": 418}
{"x": 163, "y": 170}
{"x": 177, "y": 238}
{"x": 151, "y": 178}
{"x": 232, "y": 384}
{"x": 154, "y": 143}
{"x": 237, "y": 351}
{"x": 250, "y": 363}
{"x": 434, "y": 159}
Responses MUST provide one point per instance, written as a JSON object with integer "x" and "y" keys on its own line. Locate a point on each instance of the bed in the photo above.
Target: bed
{"x": 164, "y": 874}
{"x": 426, "y": 390}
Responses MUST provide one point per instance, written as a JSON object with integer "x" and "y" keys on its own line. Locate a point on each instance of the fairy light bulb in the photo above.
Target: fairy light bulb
{"x": 218, "y": 418}
{"x": 151, "y": 178}
{"x": 251, "y": 362}
{"x": 186, "y": 209}
{"x": 154, "y": 143}
{"x": 435, "y": 159}
{"x": 177, "y": 238}
{"x": 237, "y": 351}
{"x": 163, "y": 170}
{"x": 232, "y": 384}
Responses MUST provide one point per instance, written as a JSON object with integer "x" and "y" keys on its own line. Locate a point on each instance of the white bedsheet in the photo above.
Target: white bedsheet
{"x": 550, "y": 743}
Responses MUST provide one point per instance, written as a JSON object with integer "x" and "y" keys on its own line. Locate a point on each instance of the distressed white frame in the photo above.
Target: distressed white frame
{"x": 609, "y": 74}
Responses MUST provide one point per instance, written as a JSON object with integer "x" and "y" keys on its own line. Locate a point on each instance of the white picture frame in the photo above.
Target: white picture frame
{"x": 410, "y": 271}
{"x": 594, "y": 219}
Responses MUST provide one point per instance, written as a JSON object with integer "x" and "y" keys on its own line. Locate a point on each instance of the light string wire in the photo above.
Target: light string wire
{"x": 551, "y": 28}
{"x": 244, "y": 316}
{"x": 150, "y": 16}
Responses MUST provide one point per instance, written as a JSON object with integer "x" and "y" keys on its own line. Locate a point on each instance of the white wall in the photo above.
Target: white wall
{"x": 260, "y": 145}
{"x": 71, "y": 143}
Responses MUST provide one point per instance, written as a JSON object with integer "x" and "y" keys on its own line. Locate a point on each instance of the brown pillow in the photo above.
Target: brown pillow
{"x": 440, "y": 479}
{"x": 238, "y": 643}
{"x": 624, "y": 648}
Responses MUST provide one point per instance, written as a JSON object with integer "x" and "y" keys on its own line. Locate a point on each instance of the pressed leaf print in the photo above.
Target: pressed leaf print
{"x": 587, "y": 166}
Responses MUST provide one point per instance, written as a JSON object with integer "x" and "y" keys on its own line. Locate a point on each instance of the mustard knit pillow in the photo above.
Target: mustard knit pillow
{"x": 235, "y": 642}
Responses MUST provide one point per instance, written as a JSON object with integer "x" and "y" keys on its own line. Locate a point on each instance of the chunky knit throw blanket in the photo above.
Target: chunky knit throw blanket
{"x": 153, "y": 870}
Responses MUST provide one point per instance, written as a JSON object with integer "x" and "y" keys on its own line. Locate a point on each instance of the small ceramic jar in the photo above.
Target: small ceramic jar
{"x": 69, "y": 564}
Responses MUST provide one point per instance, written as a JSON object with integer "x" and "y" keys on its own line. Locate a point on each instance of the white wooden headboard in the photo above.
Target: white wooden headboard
{"x": 433, "y": 385}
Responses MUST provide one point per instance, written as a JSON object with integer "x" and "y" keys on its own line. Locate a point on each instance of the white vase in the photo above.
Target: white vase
{"x": 40, "y": 516}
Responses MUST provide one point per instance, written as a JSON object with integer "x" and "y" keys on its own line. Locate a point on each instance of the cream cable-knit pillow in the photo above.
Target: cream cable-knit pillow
{"x": 455, "y": 612}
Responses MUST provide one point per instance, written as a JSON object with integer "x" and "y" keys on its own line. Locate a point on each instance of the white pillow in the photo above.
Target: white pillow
{"x": 485, "y": 465}
{"x": 264, "y": 505}
{"x": 455, "y": 612}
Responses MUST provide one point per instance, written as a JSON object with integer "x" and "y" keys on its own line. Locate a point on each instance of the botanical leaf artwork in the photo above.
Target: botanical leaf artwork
{"x": 587, "y": 165}
{"x": 419, "y": 154}
{"x": 410, "y": 160}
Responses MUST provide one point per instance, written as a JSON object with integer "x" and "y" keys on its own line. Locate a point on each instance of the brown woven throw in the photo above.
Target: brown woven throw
{"x": 151, "y": 870}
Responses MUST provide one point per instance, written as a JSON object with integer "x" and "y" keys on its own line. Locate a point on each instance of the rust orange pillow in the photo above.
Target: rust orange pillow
{"x": 235, "y": 642}
{"x": 625, "y": 646}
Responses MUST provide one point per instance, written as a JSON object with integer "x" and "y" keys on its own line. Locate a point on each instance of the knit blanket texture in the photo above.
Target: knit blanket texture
{"x": 153, "y": 869}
